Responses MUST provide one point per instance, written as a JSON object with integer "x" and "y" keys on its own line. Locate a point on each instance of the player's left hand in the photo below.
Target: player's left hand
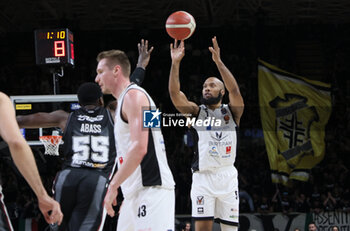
{"x": 177, "y": 51}
{"x": 144, "y": 54}
{"x": 51, "y": 210}
{"x": 215, "y": 50}
{"x": 111, "y": 199}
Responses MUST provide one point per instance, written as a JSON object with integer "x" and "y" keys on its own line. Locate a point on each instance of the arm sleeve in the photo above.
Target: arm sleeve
{"x": 138, "y": 76}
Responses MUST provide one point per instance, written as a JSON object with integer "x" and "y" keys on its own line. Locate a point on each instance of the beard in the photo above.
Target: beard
{"x": 211, "y": 100}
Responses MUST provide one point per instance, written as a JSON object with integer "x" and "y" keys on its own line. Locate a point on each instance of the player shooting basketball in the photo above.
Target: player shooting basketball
{"x": 23, "y": 157}
{"x": 89, "y": 151}
{"x": 214, "y": 192}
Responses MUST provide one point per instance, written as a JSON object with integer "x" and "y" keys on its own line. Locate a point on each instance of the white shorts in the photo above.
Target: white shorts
{"x": 150, "y": 209}
{"x": 215, "y": 196}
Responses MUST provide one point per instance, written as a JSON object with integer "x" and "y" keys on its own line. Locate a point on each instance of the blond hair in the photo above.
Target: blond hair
{"x": 116, "y": 57}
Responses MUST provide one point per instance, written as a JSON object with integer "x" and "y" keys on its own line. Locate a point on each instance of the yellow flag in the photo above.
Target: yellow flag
{"x": 294, "y": 112}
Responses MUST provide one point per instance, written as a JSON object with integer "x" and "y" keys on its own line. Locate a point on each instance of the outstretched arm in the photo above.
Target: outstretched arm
{"x": 23, "y": 157}
{"x": 236, "y": 101}
{"x": 44, "y": 120}
{"x": 144, "y": 56}
{"x": 133, "y": 103}
{"x": 178, "y": 98}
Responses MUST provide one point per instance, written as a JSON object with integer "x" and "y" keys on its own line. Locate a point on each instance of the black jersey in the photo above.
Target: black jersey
{"x": 89, "y": 140}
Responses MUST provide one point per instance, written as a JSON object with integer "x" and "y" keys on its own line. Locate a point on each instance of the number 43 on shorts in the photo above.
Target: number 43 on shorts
{"x": 142, "y": 211}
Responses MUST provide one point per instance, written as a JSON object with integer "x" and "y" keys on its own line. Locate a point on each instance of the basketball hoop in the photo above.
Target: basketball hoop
{"x": 51, "y": 144}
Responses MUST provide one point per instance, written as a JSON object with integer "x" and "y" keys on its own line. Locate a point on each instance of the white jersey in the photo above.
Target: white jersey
{"x": 216, "y": 147}
{"x": 154, "y": 169}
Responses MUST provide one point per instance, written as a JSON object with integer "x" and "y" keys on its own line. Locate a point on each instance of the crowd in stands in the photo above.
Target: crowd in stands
{"x": 328, "y": 186}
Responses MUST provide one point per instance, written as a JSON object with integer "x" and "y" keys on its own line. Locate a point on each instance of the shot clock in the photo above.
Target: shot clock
{"x": 54, "y": 47}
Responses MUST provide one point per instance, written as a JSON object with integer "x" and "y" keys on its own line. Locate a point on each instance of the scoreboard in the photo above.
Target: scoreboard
{"x": 54, "y": 47}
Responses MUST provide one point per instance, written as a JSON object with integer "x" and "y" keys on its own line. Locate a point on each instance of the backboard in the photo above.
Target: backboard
{"x": 29, "y": 104}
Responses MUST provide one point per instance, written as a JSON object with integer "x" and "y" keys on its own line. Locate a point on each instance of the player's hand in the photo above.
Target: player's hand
{"x": 110, "y": 199}
{"x": 144, "y": 54}
{"x": 215, "y": 50}
{"x": 47, "y": 205}
{"x": 177, "y": 51}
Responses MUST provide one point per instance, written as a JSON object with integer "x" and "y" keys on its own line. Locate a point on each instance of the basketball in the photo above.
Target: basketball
{"x": 180, "y": 25}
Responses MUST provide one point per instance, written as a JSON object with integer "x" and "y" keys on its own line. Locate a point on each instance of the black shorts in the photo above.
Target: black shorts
{"x": 5, "y": 222}
{"x": 80, "y": 193}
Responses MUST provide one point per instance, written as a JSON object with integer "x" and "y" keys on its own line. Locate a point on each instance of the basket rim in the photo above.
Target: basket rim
{"x": 49, "y": 137}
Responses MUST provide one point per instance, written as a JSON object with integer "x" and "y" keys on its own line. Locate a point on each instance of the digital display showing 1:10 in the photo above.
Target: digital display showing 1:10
{"x": 56, "y": 35}
{"x": 54, "y": 47}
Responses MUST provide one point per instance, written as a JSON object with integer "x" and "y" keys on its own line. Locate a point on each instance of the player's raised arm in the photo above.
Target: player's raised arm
{"x": 44, "y": 120}
{"x": 178, "y": 98}
{"x": 144, "y": 54}
{"x": 138, "y": 74}
{"x": 236, "y": 101}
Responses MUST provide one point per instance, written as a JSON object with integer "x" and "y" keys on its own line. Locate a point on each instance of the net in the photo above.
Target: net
{"x": 51, "y": 144}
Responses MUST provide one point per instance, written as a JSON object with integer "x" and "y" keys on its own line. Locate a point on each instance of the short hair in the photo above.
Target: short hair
{"x": 116, "y": 57}
{"x": 89, "y": 93}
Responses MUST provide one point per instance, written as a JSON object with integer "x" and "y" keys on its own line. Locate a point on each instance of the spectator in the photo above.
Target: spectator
{"x": 264, "y": 206}
{"x": 301, "y": 203}
{"x": 312, "y": 226}
{"x": 329, "y": 203}
{"x": 187, "y": 226}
